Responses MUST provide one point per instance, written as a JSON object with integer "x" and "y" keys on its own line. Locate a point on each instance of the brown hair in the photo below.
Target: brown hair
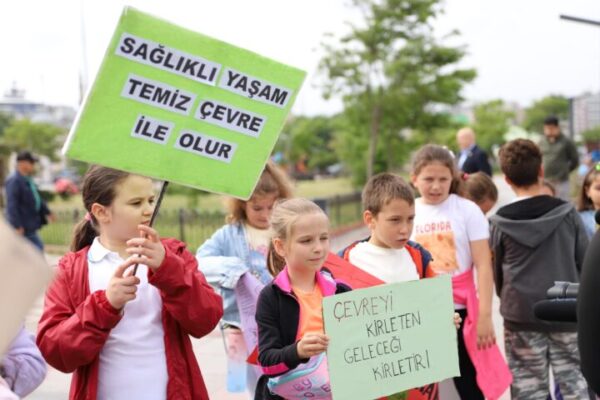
{"x": 520, "y": 161}
{"x": 583, "y": 201}
{"x": 272, "y": 181}
{"x": 479, "y": 187}
{"x": 549, "y": 186}
{"x": 99, "y": 184}
{"x": 284, "y": 216}
{"x": 431, "y": 153}
{"x": 383, "y": 188}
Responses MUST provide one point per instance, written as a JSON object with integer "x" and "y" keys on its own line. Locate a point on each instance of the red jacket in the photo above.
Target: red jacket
{"x": 75, "y": 324}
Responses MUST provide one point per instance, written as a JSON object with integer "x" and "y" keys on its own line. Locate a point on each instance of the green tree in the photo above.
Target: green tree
{"x": 392, "y": 75}
{"x": 492, "y": 121}
{"x": 591, "y": 135}
{"x": 5, "y": 121}
{"x": 40, "y": 138}
{"x": 556, "y": 105}
{"x": 309, "y": 138}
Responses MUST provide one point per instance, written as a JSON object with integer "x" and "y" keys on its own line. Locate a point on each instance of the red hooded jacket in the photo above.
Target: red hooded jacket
{"x": 75, "y": 324}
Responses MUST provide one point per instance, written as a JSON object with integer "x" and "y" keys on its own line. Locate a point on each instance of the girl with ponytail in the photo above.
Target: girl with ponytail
{"x": 126, "y": 336}
{"x": 291, "y": 339}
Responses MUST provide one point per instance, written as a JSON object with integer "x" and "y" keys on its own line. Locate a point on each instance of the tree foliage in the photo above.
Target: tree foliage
{"x": 41, "y": 138}
{"x": 492, "y": 122}
{"x": 309, "y": 139}
{"x": 5, "y": 121}
{"x": 393, "y": 75}
{"x": 556, "y": 105}
{"x": 592, "y": 135}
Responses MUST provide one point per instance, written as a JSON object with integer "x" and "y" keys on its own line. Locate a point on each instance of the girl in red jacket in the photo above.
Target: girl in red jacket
{"x": 126, "y": 337}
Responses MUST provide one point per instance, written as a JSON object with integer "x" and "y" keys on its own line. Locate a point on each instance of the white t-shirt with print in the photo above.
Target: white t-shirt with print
{"x": 446, "y": 230}
{"x": 389, "y": 265}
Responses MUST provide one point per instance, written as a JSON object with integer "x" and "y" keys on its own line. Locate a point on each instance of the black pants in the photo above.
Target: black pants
{"x": 466, "y": 384}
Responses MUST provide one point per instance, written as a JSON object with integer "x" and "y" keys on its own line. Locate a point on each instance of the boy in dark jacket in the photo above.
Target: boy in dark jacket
{"x": 536, "y": 240}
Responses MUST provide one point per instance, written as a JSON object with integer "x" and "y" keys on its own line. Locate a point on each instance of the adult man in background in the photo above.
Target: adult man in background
{"x": 26, "y": 211}
{"x": 559, "y": 157}
{"x": 472, "y": 158}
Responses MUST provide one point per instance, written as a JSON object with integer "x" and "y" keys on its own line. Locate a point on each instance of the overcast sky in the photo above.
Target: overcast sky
{"x": 520, "y": 48}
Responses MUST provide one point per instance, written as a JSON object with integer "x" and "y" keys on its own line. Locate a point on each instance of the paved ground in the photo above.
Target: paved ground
{"x": 209, "y": 350}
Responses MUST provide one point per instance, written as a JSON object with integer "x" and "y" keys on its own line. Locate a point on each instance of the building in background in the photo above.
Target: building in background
{"x": 585, "y": 112}
{"x": 14, "y": 103}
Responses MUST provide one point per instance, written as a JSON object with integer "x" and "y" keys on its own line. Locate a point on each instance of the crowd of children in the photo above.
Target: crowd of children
{"x": 125, "y": 334}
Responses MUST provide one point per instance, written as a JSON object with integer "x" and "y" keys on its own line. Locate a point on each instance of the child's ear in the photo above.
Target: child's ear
{"x": 279, "y": 247}
{"x": 100, "y": 213}
{"x": 368, "y": 218}
{"x": 413, "y": 179}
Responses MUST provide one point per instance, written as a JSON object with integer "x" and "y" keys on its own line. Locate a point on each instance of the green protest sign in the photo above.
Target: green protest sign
{"x": 390, "y": 338}
{"x": 179, "y": 106}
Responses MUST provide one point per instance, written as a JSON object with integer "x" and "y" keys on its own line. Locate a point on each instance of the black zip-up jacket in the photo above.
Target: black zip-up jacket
{"x": 277, "y": 317}
{"x": 588, "y": 315}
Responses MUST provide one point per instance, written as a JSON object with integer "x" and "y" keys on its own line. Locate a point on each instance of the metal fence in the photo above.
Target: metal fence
{"x": 193, "y": 226}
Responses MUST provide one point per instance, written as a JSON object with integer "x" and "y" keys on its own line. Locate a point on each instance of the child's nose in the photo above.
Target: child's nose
{"x": 266, "y": 213}
{"x": 320, "y": 247}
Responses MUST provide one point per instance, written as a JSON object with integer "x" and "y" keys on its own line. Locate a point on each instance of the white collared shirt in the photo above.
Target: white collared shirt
{"x": 133, "y": 363}
{"x": 464, "y": 154}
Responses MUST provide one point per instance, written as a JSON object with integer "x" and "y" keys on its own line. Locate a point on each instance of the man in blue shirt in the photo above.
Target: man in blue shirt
{"x": 26, "y": 211}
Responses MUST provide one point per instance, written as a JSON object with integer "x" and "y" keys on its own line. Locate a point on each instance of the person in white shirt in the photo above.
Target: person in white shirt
{"x": 388, "y": 254}
{"x": 456, "y": 233}
{"x": 125, "y": 335}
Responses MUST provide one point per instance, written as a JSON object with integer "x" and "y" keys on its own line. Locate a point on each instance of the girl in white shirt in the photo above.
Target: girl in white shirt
{"x": 126, "y": 336}
{"x": 456, "y": 233}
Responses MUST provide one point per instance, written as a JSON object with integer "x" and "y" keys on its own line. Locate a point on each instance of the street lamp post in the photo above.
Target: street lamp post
{"x": 580, "y": 20}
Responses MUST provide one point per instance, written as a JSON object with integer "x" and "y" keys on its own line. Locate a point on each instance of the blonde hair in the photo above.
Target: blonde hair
{"x": 272, "y": 181}
{"x": 285, "y": 214}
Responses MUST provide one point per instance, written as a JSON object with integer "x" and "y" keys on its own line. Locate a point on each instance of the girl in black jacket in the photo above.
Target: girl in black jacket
{"x": 289, "y": 311}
